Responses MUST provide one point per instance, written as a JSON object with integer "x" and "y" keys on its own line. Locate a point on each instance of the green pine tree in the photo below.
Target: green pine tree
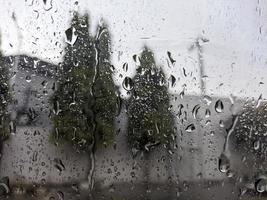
{"x": 105, "y": 92}
{"x": 85, "y": 100}
{"x": 5, "y": 98}
{"x": 150, "y": 121}
{"x": 150, "y": 118}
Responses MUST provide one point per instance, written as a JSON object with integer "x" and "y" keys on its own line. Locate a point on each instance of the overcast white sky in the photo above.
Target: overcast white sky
{"x": 235, "y": 57}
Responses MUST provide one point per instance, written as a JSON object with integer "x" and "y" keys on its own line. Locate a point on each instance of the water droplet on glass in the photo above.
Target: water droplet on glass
{"x": 207, "y": 100}
{"x": 127, "y": 84}
{"x": 59, "y": 164}
{"x": 135, "y": 58}
{"x": 259, "y": 100}
{"x": 35, "y": 64}
{"x": 219, "y": 106}
{"x": 12, "y": 128}
{"x": 43, "y": 181}
{"x": 190, "y": 128}
{"x": 4, "y": 186}
{"x": 125, "y": 67}
{"x": 34, "y": 156}
{"x": 60, "y": 195}
{"x": 195, "y": 110}
{"x": 256, "y": 145}
{"x": 172, "y": 81}
{"x": 229, "y": 174}
{"x": 48, "y": 5}
{"x": 243, "y": 190}
{"x": 224, "y": 163}
{"x": 221, "y": 123}
{"x": 207, "y": 122}
{"x": 28, "y": 79}
{"x": 207, "y": 113}
{"x": 182, "y": 94}
{"x": 71, "y": 36}
{"x": 56, "y": 109}
{"x": 260, "y": 185}
{"x": 44, "y": 83}
{"x": 170, "y": 57}
{"x": 161, "y": 81}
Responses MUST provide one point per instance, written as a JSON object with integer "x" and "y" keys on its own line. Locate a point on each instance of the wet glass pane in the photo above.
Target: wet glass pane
{"x": 138, "y": 99}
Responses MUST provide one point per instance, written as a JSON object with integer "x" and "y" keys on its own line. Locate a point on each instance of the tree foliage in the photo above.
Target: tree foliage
{"x": 85, "y": 100}
{"x": 249, "y": 140}
{"x": 5, "y": 98}
{"x": 150, "y": 120}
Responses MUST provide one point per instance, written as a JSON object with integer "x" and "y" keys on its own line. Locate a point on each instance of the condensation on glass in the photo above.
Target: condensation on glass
{"x": 133, "y": 99}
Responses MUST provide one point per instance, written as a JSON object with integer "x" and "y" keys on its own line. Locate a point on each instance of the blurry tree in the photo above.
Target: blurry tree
{"x": 85, "y": 100}
{"x": 150, "y": 118}
{"x": 5, "y": 98}
{"x": 249, "y": 141}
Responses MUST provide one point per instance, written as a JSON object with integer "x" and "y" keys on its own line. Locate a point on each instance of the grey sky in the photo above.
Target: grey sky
{"x": 235, "y": 56}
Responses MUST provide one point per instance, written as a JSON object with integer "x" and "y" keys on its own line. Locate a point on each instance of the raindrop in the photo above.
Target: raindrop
{"x": 190, "y": 128}
{"x": 184, "y": 72}
{"x": 229, "y": 174}
{"x": 219, "y": 106}
{"x": 207, "y": 100}
{"x": 195, "y": 110}
{"x": 256, "y": 145}
{"x": 12, "y": 128}
{"x": 260, "y": 185}
{"x": 112, "y": 68}
{"x": 4, "y": 186}
{"x": 207, "y": 122}
{"x": 43, "y": 181}
{"x": 48, "y": 5}
{"x": 170, "y": 57}
{"x": 60, "y": 195}
{"x": 207, "y": 113}
{"x": 259, "y": 100}
{"x": 28, "y": 79}
{"x": 221, "y": 123}
{"x": 172, "y": 81}
{"x": 135, "y": 58}
{"x": 180, "y": 110}
{"x": 59, "y": 164}
{"x": 125, "y": 67}
{"x": 224, "y": 163}
{"x": 127, "y": 84}
{"x": 37, "y": 13}
{"x": 35, "y": 64}
{"x": 243, "y": 191}
{"x": 56, "y": 109}
{"x": 182, "y": 94}
{"x": 161, "y": 81}
{"x": 71, "y": 36}
{"x": 34, "y": 156}
{"x": 44, "y": 83}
